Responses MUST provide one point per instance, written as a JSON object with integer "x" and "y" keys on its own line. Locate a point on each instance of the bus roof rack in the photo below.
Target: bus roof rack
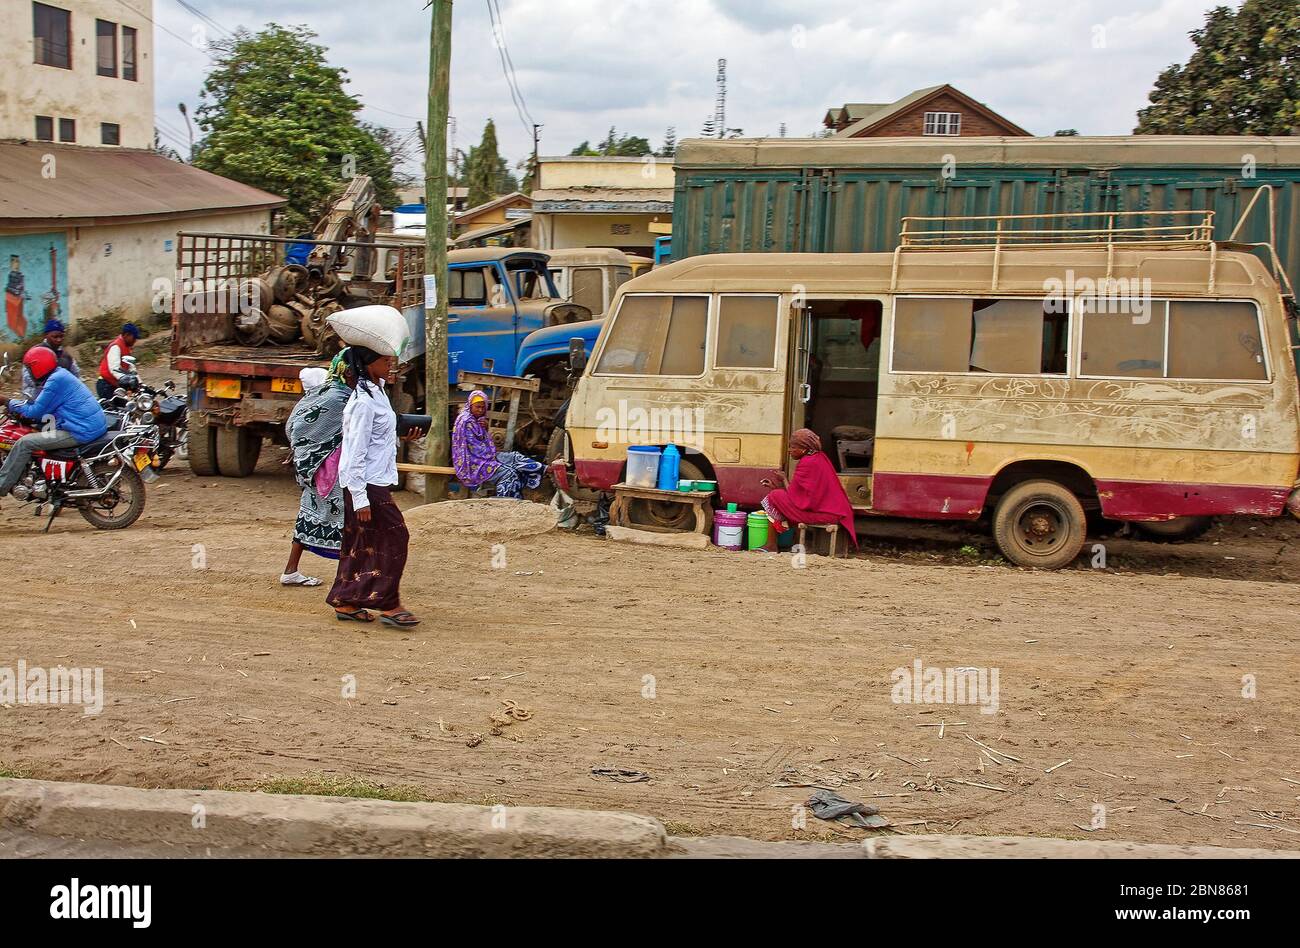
{"x": 1087, "y": 228}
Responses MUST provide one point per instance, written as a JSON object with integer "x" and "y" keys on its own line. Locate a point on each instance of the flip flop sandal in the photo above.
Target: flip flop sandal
{"x": 402, "y": 620}
{"x": 359, "y": 616}
{"x": 310, "y": 581}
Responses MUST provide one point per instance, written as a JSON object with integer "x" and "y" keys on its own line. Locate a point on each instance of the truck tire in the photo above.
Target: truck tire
{"x": 203, "y": 447}
{"x": 1040, "y": 524}
{"x": 237, "y": 451}
{"x": 1179, "y": 530}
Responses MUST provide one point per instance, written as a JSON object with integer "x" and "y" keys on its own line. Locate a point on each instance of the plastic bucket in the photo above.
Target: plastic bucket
{"x": 729, "y": 530}
{"x": 758, "y": 527}
{"x": 643, "y": 467}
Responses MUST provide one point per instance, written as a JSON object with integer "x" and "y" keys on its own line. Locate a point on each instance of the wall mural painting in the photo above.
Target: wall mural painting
{"x": 35, "y": 283}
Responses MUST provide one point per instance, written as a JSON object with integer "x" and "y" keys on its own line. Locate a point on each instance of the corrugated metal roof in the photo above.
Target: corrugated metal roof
{"x": 88, "y": 184}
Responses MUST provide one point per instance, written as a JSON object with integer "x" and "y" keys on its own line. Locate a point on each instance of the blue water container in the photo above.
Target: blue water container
{"x": 670, "y": 463}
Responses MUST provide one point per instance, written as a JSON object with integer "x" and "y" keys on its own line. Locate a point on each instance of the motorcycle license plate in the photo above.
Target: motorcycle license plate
{"x": 290, "y": 386}
{"x": 142, "y": 460}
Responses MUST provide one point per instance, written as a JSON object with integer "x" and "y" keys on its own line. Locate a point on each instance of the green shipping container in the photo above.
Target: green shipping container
{"x": 849, "y": 195}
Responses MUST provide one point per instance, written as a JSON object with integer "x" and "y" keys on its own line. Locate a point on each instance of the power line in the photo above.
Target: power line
{"x": 154, "y": 22}
{"x": 203, "y": 16}
{"x": 507, "y": 66}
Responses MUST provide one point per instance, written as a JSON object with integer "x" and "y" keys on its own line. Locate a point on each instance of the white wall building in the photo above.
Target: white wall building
{"x": 602, "y": 202}
{"x": 77, "y": 72}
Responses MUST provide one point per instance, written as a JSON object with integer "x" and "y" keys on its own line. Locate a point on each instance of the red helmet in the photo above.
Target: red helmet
{"x": 40, "y": 361}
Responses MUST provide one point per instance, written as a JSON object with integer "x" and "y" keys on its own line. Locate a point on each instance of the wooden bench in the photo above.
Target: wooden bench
{"x": 625, "y": 494}
{"x": 837, "y": 543}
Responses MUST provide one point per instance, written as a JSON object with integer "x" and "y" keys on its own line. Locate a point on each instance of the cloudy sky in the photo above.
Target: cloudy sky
{"x": 643, "y": 65}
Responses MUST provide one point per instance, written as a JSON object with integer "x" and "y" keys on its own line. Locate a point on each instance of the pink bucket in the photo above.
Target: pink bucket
{"x": 729, "y": 530}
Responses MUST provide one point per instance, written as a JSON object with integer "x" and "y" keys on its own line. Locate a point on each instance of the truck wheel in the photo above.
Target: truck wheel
{"x": 202, "y": 447}
{"x": 237, "y": 451}
{"x": 1178, "y": 530}
{"x": 1039, "y": 524}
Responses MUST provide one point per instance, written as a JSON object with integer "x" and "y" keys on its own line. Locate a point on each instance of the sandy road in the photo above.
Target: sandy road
{"x": 717, "y": 675}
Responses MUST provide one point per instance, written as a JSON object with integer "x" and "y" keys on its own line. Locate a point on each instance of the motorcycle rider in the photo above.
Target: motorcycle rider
{"x": 111, "y": 368}
{"x": 54, "y": 336}
{"x": 71, "y": 414}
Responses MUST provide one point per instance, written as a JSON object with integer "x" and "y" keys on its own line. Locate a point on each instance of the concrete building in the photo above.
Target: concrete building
{"x": 937, "y": 111}
{"x": 624, "y": 203}
{"x": 88, "y": 214}
{"x": 78, "y": 72}
{"x": 86, "y": 230}
{"x": 505, "y": 221}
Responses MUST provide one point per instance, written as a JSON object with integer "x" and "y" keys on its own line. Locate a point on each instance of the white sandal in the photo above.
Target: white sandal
{"x": 298, "y": 579}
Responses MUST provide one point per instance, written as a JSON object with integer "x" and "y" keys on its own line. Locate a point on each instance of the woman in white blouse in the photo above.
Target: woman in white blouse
{"x": 375, "y": 538}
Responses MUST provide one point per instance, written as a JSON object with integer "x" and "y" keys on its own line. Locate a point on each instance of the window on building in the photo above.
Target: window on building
{"x": 110, "y": 134}
{"x": 44, "y": 128}
{"x": 52, "y": 36}
{"x": 991, "y": 336}
{"x": 942, "y": 123}
{"x": 67, "y": 130}
{"x": 747, "y": 332}
{"x": 657, "y": 335}
{"x": 106, "y": 48}
{"x": 588, "y": 288}
{"x": 128, "y": 53}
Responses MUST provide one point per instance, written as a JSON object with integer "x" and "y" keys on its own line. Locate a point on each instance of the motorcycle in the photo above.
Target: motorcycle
{"x": 140, "y": 404}
{"x": 102, "y": 480}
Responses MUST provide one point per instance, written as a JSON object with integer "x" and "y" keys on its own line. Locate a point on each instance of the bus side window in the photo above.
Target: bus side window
{"x": 747, "y": 332}
{"x": 1215, "y": 340}
{"x": 656, "y": 335}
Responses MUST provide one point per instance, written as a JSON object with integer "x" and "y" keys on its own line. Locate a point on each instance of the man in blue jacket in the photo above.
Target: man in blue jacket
{"x": 69, "y": 413}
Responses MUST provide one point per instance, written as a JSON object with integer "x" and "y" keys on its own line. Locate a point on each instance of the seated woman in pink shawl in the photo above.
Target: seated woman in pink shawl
{"x": 814, "y": 495}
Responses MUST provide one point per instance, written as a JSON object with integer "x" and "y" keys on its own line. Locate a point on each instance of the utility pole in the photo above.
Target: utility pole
{"x": 437, "y": 447}
{"x": 536, "y": 153}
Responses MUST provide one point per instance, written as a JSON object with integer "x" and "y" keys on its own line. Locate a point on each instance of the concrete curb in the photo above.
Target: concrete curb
{"x": 1031, "y": 847}
{"x": 217, "y": 822}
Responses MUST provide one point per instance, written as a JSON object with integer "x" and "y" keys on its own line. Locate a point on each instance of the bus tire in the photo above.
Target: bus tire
{"x": 1040, "y": 524}
{"x": 1178, "y": 530}
{"x": 202, "y": 447}
{"x": 237, "y": 451}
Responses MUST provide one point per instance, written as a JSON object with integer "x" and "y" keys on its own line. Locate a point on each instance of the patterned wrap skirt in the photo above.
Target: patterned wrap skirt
{"x": 373, "y": 556}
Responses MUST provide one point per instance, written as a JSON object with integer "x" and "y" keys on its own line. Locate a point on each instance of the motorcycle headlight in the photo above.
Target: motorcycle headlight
{"x": 146, "y": 404}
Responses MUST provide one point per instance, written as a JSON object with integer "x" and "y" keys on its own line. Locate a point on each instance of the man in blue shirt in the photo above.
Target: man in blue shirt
{"x": 70, "y": 413}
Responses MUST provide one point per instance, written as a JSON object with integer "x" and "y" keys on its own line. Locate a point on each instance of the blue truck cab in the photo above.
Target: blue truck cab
{"x": 497, "y": 297}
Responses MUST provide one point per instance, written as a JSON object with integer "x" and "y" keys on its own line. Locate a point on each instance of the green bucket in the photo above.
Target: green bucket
{"x": 758, "y": 527}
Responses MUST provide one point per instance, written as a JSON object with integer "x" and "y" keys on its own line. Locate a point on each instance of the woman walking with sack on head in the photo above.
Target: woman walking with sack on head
{"x": 373, "y": 556}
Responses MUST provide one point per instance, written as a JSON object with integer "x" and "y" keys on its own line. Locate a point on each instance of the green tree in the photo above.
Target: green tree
{"x": 670, "y": 143}
{"x": 486, "y": 173}
{"x": 275, "y": 116}
{"x": 1241, "y": 80}
{"x": 614, "y": 145}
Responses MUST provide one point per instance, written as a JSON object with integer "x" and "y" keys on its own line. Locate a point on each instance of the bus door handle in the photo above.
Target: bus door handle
{"x": 805, "y": 393}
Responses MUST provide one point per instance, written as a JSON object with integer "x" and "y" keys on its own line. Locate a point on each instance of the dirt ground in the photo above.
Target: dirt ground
{"x": 724, "y": 678}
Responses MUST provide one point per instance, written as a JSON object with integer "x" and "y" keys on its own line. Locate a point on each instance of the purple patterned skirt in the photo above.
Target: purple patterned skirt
{"x": 373, "y": 556}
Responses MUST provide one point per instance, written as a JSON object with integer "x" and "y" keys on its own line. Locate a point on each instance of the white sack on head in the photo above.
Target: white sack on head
{"x": 380, "y": 328}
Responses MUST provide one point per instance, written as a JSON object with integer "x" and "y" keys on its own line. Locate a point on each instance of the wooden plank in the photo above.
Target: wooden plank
{"x": 468, "y": 381}
{"x": 426, "y": 469}
{"x": 686, "y": 541}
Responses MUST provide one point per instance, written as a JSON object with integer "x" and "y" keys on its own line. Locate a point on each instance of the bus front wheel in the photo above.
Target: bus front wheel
{"x": 1039, "y": 524}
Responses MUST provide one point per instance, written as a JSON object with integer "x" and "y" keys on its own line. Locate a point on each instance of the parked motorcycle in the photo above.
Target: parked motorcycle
{"x": 102, "y": 480}
{"x": 140, "y": 404}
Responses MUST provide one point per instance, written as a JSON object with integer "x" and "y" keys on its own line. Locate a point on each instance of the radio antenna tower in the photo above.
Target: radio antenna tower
{"x": 720, "y": 111}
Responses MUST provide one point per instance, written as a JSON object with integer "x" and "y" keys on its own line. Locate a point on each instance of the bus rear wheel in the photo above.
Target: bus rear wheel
{"x": 1040, "y": 524}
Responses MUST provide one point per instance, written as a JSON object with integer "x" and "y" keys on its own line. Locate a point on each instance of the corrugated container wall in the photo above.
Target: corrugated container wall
{"x": 818, "y": 196}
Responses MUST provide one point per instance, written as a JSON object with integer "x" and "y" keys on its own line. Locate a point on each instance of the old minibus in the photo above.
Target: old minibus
{"x": 1030, "y": 378}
